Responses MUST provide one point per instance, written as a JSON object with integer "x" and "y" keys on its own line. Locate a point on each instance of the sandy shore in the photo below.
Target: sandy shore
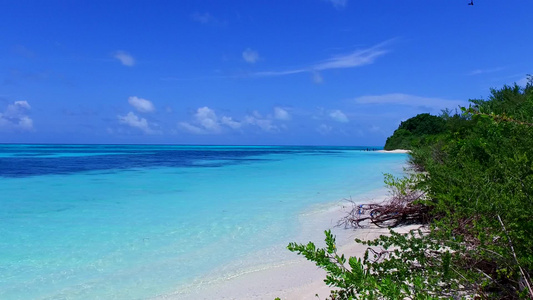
{"x": 394, "y": 151}
{"x": 295, "y": 277}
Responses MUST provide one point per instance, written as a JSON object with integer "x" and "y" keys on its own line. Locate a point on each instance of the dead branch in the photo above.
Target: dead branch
{"x": 400, "y": 209}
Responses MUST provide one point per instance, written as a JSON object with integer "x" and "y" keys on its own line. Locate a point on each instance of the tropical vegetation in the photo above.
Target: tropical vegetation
{"x": 475, "y": 172}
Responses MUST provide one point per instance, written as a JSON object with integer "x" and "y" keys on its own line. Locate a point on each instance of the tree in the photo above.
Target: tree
{"x": 413, "y": 131}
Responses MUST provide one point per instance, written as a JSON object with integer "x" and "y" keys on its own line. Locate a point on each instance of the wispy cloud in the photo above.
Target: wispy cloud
{"x": 191, "y": 128}
{"x": 23, "y": 51}
{"x": 16, "y": 75}
{"x": 523, "y": 81}
{"x": 351, "y": 60}
{"x": 484, "y": 71}
{"x": 354, "y": 59}
{"x": 324, "y": 129}
{"x": 134, "y": 121}
{"x": 338, "y": 115}
{"x": 338, "y": 4}
{"x": 15, "y": 117}
{"x": 264, "y": 123}
{"x": 206, "y": 19}
{"x": 199, "y": 78}
{"x": 141, "y": 105}
{"x": 281, "y": 114}
{"x": 228, "y": 121}
{"x": 250, "y": 56}
{"x": 317, "y": 78}
{"x": 282, "y": 73}
{"x": 409, "y": 100}
{"x": 202, "y": 18}
{"x": 125, "y": 58}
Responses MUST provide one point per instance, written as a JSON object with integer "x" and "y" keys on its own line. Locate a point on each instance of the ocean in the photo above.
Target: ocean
{"x": 141, "y": 221}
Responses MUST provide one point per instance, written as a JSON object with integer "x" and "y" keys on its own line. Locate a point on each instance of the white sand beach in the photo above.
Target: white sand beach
{"x": 293, "y": 278}
{"x": 394, "y": 151}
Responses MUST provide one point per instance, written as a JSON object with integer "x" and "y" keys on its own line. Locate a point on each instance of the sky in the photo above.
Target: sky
{"x": 250, "y": 72}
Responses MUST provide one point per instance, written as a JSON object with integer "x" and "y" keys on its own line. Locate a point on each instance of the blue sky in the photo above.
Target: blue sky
{"x": 313, "y": 72}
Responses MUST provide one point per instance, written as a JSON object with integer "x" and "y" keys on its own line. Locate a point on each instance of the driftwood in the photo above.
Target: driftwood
{"x": 401, "y": 209}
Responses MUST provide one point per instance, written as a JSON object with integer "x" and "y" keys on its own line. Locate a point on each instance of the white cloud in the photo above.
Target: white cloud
{"x": 317, "y": 78}
{"x": 18, "y": 107}
{"x": 282, "y": 73}
{"x": 410, "y": 100}
{"x": 281, "y": 114}
{"x": 25, "y": 123}
{"x": 125, "y": 58}
{"x": 250, "y": 56}
{"x": 338, "y": 4}
{"x": 191, "y": 128}
{"x": 23, "y": 104}
{"x": 351, "y": 60}
{"x": 338, "y": 115}
{"x": 134, "y": 121}
{"x": 228, "y": 121}
{"x": 484, "y": 71}
{"x": 522, "y": 82}
{"x": 207, "y": 118}
{"x": 206, "y": 121}
{"x": 324, "y": 129}
{"x": 141, "y": 105}
{"x": 15, "y": 117}
{"x": 264, "y": 123}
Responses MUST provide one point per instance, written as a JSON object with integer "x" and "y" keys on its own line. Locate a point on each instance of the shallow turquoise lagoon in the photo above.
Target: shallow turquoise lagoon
{"x": 135, "y": 222}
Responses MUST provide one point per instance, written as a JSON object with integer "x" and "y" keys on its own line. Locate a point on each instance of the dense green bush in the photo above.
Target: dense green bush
{"x": 478, "y": 179}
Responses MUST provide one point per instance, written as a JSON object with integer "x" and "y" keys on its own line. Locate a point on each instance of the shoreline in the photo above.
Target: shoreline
{"x": 395, "y": 151}
{"x": 290, "y": 276}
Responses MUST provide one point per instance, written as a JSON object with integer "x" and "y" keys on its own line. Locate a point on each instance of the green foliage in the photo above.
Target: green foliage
{"x": 513, "y": 101}
{"x": 409, "y": 265}
{"x": 413, "y": 131}
{"x": 423, "y": 124}
{"x": 401, "y": 139}
{"x": 478, "y": 181}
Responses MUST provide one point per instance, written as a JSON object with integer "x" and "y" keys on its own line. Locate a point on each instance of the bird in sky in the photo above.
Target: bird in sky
{"x": 471, "y": 2}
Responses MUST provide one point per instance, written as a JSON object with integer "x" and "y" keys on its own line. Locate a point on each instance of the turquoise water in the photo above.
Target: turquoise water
{"x": 134, "y": 222}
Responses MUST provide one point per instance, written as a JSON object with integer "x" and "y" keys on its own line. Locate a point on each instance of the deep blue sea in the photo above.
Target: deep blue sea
{"x": 138, "y": 221}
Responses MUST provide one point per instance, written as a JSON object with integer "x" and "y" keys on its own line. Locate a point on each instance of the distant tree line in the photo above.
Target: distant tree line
{"x": 414, "y": 131}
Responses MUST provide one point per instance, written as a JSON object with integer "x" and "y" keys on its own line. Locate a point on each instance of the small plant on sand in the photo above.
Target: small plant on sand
{"x": 397, "y": 266}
